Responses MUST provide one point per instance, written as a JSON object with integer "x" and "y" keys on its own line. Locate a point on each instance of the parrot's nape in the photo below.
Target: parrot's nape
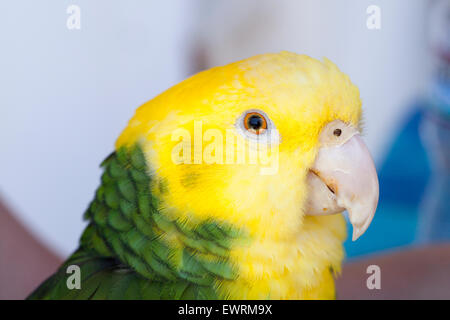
{"x": 189, "y": 208}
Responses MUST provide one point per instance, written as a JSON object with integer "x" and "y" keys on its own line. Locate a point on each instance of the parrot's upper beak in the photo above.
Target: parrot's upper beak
{"x": 343, "y": 177}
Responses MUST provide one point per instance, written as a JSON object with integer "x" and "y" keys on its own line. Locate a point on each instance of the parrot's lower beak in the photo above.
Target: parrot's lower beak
{"x": 343, "y": 177}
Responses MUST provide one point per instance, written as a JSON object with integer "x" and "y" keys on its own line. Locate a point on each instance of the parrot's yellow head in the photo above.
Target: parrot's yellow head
{"x": 269, "y": 144}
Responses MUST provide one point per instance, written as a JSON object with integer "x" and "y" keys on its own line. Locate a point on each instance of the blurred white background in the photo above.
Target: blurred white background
{"x": 66, "y": 94}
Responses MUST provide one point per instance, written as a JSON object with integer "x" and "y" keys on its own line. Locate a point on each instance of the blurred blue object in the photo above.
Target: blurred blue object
{"x": 434, "y": 219}
{"x": 434, "y": 223}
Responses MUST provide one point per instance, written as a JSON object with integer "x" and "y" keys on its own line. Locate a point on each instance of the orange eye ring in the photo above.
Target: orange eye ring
{"x": 255, "y": 122}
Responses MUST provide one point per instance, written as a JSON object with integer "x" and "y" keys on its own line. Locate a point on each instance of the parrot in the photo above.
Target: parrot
{"x": 232, "y": 184}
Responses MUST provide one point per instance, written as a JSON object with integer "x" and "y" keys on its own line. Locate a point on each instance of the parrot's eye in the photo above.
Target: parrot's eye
{"x": 255, "y": 122}
{"x": 255, "y": 125}
{"x": 337, "y": 132}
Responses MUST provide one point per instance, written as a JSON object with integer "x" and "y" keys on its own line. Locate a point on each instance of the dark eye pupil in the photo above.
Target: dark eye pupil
{"x": 337, "y": 132}
{"x": 255, "y": 122}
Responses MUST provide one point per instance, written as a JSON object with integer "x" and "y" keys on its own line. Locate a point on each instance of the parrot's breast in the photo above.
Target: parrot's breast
{"x": 300, "y": 268}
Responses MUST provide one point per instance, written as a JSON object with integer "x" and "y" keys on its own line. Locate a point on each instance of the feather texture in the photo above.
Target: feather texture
{"x": 130, "y": 250}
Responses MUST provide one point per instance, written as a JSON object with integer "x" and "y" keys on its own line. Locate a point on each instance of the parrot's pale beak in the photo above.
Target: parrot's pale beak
{"x": 343, "y": 177}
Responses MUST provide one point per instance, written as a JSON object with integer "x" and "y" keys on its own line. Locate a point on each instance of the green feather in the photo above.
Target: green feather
{"x": 124, "y": 252}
